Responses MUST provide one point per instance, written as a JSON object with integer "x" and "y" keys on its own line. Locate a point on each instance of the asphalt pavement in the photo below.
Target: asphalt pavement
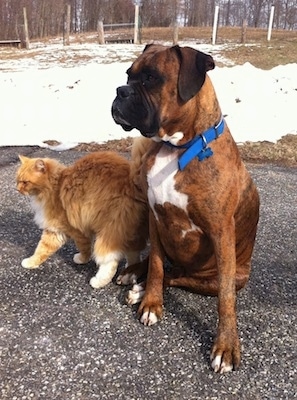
{"x": 61, "y": 339}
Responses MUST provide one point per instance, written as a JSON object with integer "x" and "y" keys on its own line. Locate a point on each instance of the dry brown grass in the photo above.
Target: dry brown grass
{"x": 283, "y": 152}
{"x": 281, "y": 49}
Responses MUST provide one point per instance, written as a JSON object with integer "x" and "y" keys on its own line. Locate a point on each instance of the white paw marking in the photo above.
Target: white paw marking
{"x": 27, "y": 263}
{"x": 126, "y": 279}
{"x": 225, "y": 368}
{"x": 136, "y": 294}
{"x": 219, "y": 366}
{"x": 148, "y": 318}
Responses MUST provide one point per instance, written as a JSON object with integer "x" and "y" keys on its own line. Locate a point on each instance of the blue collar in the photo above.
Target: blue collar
{"x": 197, "y": 147}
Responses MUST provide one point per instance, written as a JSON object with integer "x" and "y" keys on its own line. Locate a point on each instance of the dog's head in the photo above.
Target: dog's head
{"x": 161, "y": 82}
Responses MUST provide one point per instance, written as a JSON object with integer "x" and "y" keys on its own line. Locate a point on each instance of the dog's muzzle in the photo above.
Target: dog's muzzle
{"x": 131, "y": 109}
{"x": 118, "y": 106}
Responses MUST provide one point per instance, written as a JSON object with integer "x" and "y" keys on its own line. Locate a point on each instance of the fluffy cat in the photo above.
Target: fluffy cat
{"x": 96, "y": 202}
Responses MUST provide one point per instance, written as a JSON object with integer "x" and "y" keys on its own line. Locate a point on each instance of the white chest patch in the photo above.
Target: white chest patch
{"x": 173, "y": 139}
{"x": 161, "y": 182}
{"x": 39, "y": 216}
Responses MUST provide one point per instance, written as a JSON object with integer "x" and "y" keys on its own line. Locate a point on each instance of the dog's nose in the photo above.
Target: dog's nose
{"x": 124, "y": 91}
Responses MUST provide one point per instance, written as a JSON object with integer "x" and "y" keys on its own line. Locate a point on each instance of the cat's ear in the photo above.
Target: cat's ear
{"x": 40, "y": 165}
{"x": 23, "y": 159}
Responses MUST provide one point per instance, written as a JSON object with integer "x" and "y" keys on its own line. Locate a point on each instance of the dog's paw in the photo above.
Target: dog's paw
{"x": 220, "y": 366}
{"x": 133, "y": 272}
{"x": 148, "y": 318}
{"x": 225, "y": 355}
{"x": 29, "y": 263}
{"x": 150, "y": 312}
{"x": 78, "y": 258}
{"x": 127, "y": 279}
{"x": 136, "y": 294}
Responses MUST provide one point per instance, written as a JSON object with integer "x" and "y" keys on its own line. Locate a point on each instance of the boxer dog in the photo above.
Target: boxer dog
{"x": 204, "y": 206}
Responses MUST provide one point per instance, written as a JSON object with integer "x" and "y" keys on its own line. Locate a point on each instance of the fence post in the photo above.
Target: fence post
{"x": 136, "y": 24}
{"x": 243, "y": 31}
{"x": 215, "y": 24}
{"x": 27, "y": 41}
{"x": 100, "y": 30}
{"x": 175, "y": 34}
{"x": 270, "y": 23}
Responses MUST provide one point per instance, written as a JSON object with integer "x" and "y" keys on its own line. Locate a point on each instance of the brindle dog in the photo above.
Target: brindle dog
{"x": 204, "y": 206}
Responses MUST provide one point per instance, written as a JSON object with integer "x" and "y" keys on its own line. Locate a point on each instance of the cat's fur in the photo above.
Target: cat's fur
{"x": 96, "y": 202}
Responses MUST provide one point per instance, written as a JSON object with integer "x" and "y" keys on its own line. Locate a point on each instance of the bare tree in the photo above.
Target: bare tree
{"x": 46, "y": 17}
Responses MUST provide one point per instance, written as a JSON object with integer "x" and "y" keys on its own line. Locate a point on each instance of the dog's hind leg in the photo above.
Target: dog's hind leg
{"x": 207, "y": 285}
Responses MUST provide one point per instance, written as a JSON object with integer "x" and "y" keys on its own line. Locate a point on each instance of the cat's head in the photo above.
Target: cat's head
{"x": 35, "y": 175}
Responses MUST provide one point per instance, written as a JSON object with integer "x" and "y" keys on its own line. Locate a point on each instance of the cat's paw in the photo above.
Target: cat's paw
{"x": 98, "y": 283}
{"x": 78, "y": 258}
{"x": 104, "y": 275}
{"x": 29, "y": 263}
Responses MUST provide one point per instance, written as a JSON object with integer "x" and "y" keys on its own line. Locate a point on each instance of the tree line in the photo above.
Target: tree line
{"x": 47, "y": 17}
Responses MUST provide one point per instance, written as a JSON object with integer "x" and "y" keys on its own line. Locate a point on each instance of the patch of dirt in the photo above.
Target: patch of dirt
{"x": 121, "y": 146}
{"x": 283, "y": 152}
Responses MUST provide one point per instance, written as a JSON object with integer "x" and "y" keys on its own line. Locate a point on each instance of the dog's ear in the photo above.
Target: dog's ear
{"x": 147, "y": 46}
{"x": 193, "y": 67}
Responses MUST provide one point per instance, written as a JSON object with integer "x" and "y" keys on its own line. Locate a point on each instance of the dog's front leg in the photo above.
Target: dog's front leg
{"x": 150, "y": 309}
{"x": 225, "y": 353}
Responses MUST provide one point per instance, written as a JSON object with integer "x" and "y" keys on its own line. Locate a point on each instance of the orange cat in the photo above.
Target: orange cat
{"x": 95, "y": 202}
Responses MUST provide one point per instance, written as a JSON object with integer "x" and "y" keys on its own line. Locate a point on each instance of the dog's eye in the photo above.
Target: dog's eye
{"x": 149, "y": 79}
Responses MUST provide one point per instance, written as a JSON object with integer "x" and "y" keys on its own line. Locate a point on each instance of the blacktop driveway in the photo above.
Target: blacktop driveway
{"x": 61, "y": 339}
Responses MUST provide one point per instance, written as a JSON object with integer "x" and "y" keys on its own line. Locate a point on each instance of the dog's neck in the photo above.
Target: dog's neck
{"x": 198, "y": 146}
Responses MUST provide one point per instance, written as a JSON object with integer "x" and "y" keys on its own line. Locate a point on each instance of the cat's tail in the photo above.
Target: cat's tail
{"x": 139, "y": 149}
{"x": 140, "y": 146}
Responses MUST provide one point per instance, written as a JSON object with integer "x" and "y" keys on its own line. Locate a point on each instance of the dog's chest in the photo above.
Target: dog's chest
{"x": 161, "y": 181}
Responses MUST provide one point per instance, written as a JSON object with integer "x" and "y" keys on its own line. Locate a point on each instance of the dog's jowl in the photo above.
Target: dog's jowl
{"x": 204, "y": 206}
